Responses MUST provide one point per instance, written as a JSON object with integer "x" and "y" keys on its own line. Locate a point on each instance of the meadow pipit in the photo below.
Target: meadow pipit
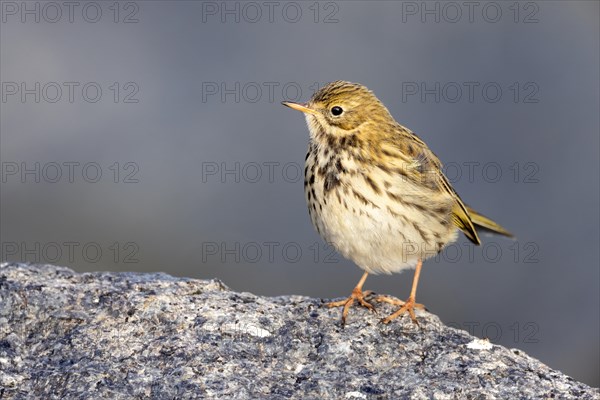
{"x": 376, "y": 192}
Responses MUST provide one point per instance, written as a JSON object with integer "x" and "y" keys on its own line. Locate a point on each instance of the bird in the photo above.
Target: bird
{"x": 377, "y": 193}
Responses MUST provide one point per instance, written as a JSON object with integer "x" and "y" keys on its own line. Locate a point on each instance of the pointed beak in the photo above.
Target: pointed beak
{"x": 299, "y": 107}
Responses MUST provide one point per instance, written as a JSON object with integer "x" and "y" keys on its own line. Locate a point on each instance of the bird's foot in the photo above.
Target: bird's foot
{"x": 406, "y": 306}
{"x": 357, "y": 296}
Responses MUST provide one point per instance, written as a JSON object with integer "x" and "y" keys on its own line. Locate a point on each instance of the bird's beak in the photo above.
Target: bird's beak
{"x": 299, "y": 106}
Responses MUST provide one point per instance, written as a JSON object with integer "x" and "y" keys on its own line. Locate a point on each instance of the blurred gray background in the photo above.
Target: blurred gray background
{"x": 148, "y": 136}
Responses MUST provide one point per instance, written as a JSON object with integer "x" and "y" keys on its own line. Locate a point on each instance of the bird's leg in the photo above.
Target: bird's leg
{"x": 406, "y": 306}
{"x": 357, "y": 295}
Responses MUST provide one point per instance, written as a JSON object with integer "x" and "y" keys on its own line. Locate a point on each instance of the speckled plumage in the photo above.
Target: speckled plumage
{"x": 374, "y": 189}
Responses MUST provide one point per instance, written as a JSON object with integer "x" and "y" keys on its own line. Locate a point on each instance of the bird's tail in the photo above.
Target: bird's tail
{"x": 482, "y": 222}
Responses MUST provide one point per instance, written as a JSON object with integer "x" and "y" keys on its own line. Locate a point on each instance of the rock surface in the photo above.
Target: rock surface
{"x": 129, "y": 336}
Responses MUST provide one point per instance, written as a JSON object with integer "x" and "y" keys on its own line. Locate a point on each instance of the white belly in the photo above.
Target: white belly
{"x": 380, "y": 235}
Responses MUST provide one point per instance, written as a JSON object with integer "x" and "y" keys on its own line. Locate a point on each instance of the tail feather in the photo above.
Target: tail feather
{"x": 483, "y": 222}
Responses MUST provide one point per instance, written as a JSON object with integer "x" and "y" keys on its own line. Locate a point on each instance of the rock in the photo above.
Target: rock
{"x": 127, "y": 335}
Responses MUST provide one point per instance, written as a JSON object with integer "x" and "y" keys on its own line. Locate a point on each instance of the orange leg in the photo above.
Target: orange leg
{"x": 406, "y": 306}
{"x": 357, "y": 295}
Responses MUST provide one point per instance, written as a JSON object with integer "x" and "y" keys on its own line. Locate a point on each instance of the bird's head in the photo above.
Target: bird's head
{"x": 342, "y": 108}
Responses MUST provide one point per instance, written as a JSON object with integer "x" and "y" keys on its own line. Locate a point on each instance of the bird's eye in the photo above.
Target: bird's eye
{"x": 336, "y": 110}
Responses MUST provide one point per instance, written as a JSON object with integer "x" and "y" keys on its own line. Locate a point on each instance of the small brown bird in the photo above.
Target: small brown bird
{"x": 376, "y": 192}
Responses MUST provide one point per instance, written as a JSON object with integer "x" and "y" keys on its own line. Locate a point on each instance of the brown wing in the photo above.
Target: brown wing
{"x": 460, "y": 214}
{"x": 424, "y": 156}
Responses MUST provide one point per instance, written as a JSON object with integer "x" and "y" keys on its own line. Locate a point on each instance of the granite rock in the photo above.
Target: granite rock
{"x": 127, "y": 336}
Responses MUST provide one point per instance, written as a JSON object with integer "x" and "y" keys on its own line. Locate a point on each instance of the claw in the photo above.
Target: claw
{"x": 357, "y": 296}
{"x": 407, "y": 306}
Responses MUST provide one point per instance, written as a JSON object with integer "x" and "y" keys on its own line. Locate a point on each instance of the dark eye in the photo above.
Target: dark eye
{"x": 336, "y": 110}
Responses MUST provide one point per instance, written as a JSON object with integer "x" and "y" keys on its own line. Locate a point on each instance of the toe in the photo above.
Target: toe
{"x": 367, "y": 305}
{"x": 389, "y": 300}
